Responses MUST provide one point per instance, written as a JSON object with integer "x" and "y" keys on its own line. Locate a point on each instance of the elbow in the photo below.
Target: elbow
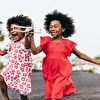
{"x": 2, "y": 54}
{"x": 34, "y": 52}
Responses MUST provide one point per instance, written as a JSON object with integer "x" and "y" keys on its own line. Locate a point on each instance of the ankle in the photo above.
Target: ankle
{"x": 23, "y": 97}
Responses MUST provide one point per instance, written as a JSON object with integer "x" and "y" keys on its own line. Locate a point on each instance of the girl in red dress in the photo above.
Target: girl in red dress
{"x": 57, "y": 48}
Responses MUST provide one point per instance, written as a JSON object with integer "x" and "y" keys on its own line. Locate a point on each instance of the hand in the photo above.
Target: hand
{"x": 98, "y": 62}
{"x": 30, "y": 33}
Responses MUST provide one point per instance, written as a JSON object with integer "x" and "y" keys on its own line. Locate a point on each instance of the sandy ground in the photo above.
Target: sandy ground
{"x": 87, "y": 84}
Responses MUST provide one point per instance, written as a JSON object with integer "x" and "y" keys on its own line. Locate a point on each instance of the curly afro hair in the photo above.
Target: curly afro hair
{"x": 66, "y": 22}
{"x": 19, "y": 20}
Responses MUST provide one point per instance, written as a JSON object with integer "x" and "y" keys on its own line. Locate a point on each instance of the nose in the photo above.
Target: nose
{"x": 13, "y": 32}
{"x": 52, "y": 28}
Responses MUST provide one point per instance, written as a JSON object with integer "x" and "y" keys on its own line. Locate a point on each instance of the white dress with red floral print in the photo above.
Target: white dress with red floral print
{"x": 17, "y": 73}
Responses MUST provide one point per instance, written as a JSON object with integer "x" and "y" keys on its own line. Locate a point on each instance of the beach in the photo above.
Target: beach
{"x": 87, "y": 84}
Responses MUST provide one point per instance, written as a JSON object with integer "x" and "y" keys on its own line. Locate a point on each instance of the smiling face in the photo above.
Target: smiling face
{"x": 56, "y": 29}
{"x": 16, "y": 32}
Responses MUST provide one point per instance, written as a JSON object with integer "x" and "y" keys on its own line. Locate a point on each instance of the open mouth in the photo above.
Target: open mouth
{"x": 53, "y": 33}
{"x": 14, "y": 35}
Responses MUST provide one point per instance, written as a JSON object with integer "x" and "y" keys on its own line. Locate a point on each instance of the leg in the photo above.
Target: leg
{"x": 24, "y": 97}
{"x": 3, "y": 88}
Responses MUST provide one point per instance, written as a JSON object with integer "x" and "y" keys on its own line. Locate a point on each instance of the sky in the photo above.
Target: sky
{"x": 85, "y": 13}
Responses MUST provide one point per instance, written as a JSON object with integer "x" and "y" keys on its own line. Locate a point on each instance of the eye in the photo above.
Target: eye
{"x": 22, "y": 29}
{"x": 16, "y": 28}
{"x": 55, "y": 26}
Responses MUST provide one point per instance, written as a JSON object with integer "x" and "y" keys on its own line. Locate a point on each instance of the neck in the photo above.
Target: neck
{"x": 57, "y": 39}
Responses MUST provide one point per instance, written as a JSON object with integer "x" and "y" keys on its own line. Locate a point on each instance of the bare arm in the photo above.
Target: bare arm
{"x": 85, "y": 57}
{"x": 3, "y": 52}
{"x": 27, "y": 41}
{"x": 35, "y": 50}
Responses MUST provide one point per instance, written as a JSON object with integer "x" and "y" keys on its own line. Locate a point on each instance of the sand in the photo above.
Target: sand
{"x": 87, "y": 84}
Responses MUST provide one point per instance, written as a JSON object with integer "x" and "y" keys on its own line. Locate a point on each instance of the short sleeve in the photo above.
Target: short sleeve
{"x": 44, "y": 41}
{"x": 69, "y": 46}
{"x": 8, "y": 47}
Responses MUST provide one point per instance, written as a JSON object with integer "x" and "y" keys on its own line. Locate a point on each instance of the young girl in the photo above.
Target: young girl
{"x": 17, "y": 73}
{"x": 56, "y": 66}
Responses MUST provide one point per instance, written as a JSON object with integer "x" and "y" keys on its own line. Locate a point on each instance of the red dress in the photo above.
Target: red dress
{"x": 57, "y": 68}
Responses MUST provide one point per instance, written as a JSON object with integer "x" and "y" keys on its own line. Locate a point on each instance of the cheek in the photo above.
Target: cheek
{"x": 20, "y": 34}
{"x": 60, "y": 30}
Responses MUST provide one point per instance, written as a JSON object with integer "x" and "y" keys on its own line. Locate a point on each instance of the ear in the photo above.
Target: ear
{"x": 63, "y": 29}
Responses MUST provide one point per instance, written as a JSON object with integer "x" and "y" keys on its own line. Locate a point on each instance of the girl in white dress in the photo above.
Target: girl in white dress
{"x": 17, "y": 73}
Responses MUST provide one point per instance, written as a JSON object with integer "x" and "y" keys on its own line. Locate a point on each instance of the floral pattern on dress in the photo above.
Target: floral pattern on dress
{"x": 17, "y": 74}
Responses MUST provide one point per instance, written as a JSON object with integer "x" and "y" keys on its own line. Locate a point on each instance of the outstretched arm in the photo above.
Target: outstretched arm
{"x": 85, "y": 57}
{"x": 3, "y": 52}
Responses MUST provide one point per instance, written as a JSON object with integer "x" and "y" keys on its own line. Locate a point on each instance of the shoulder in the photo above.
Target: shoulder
{"x": 68, "y": 40}
{"x": 10, "y": 43}
{"x": 44, "y": 41}
{"x": 45, "y": 37}
{"x": 69, "y": 43}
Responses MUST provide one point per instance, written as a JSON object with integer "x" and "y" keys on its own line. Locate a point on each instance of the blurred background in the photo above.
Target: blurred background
{"x": 86, "y": 16}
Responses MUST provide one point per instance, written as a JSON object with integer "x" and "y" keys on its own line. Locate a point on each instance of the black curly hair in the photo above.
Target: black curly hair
{"x": 19, "y": 20}
{"x": 66, "y": 22}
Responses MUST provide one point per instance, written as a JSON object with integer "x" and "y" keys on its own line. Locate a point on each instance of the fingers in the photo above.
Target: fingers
{"x": 29, "y": 34}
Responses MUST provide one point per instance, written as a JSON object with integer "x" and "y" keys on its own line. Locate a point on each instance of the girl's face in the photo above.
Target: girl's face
{"x": 16, "y": 32}
{"x": 56, "y": 29}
